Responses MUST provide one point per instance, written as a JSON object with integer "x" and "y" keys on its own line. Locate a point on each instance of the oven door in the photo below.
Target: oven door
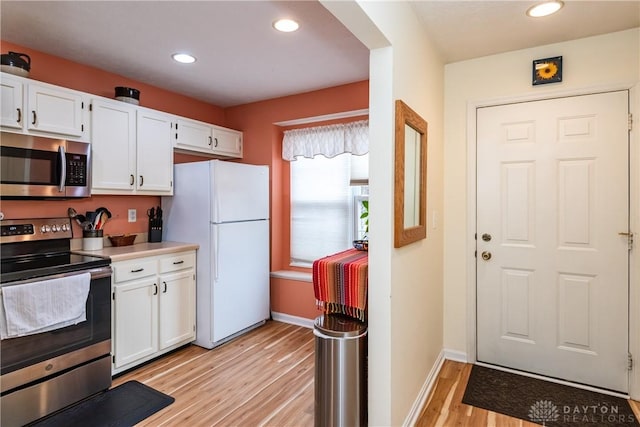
{"x": 29, "y": 358}
{"x": 41, "y": 167}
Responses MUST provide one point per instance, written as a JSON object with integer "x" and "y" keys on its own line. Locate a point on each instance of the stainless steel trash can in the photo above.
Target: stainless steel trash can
{"x": 340, "y": 371}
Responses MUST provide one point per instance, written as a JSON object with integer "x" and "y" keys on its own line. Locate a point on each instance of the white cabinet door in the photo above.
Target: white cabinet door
{"x": 177, "y": 302}
{"x": 11, "y": 98}
{"x": 154, "y": 153}
{"x": 192, "y": 135}
{"x": 113, "y": 145}
{"x": 227, "y": 142}
{"x": 136, "y": 320}
{"x": 54, "y": 110}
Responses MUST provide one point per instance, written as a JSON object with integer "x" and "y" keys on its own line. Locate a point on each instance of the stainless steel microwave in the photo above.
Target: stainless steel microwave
{"x": 39, "y": 167}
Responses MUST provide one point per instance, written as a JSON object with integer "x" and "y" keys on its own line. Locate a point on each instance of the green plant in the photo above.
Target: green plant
{"x": 365, "y": 215}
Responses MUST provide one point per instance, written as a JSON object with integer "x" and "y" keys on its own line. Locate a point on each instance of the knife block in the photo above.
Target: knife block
{"x": 155, "y": 231}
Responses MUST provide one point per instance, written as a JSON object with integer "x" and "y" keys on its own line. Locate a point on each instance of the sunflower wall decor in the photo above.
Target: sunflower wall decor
{"x": 547, "y": 70}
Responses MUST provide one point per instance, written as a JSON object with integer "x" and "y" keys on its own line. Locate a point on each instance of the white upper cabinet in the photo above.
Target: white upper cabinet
{"x": 193, "y": 135}
{"x": 55, "y": 110}
{"x": 113, "y": 145}
{"x": 11, "y": 95}
{"x": 200, "y": 137}
{"x": 154, "y": 153}
{"x": 43, "y": 109}
{"x": 131, "y": 147}
{"x": 227, "y": 142}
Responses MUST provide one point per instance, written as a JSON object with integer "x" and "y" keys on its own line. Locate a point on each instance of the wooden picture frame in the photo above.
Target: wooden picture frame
{"x": 410, "y": 184}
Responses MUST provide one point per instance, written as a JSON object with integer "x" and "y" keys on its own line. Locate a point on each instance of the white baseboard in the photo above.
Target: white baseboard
{"x": 294, "y": 320}
{"x": 421, "y": 400}
{"x": 456, "y": 356}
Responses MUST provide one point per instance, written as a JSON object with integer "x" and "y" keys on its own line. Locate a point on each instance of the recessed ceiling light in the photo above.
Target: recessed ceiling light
{"x": 545, "y": 9}
{"x": 286, "y": 25}
{"x": 183, "y": 58}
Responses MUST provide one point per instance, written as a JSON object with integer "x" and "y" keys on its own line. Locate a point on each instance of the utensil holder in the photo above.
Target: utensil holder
{"x": 155, "y": 231}
{"x": 92, "y": 240}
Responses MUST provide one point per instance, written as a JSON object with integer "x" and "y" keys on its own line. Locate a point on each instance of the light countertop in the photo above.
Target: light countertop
{"x": 139, "y": 250}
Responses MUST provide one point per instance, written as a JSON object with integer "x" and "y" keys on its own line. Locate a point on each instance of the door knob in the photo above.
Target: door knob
{"x": 486, "y": 255}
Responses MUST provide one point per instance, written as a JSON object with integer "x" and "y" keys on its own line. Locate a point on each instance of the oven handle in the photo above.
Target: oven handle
{"x": 63, "y": 169}
{"x": 96, "y": 273}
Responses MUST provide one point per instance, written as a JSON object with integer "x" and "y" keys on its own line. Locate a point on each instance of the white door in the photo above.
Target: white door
{"x": 240, "y": 276}
{"x": 552, "y": 268}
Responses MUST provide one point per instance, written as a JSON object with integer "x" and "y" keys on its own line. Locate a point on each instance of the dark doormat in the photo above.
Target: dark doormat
{"x": 544, "y": 402}
{"x": 122, "y": 406}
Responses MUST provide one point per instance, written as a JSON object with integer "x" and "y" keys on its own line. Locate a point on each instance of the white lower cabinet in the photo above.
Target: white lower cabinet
{"x": 153, "y": 307}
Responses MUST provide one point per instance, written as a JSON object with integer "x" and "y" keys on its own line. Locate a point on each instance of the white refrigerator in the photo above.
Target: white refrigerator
{"x": 223, "y": 207}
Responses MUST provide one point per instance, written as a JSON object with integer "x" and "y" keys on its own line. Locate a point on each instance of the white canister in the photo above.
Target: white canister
{"x": 92, "y": 240}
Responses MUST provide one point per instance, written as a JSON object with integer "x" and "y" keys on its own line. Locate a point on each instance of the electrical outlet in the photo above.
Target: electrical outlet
{"x": 132, "y": 215}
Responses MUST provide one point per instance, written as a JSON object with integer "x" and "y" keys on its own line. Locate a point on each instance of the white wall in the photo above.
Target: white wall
{"x": 594, "y": 62}
{"x": 405, "y": 284}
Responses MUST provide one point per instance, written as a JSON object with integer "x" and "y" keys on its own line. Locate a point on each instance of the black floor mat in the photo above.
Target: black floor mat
{"x": 122, "y": 406}
{"x": 544, "y": 402}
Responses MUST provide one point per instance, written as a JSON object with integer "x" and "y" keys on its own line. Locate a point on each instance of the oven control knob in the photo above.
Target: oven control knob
{"x": 55, "y": 228}
{"x": 45, "y": 229}
{"x": 65, "y": 227}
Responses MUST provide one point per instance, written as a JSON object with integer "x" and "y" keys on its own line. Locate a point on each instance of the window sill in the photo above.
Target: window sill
{"x": 292, "y": 275}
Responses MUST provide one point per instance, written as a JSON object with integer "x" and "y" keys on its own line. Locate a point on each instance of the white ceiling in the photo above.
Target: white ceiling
{"x": 242, "y": 59}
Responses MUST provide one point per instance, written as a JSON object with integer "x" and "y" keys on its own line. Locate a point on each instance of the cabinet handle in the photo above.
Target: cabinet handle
{"x": 178, "y": 262}
{"x": 155, "y": 289}
{"x": 165, "y": 288}
{"x": 137, "y": 270}
{"x": 210, "y": 141}
{"x": 141, "y": 180}
{"x": 35, "y": 117}
{"x": 216, "y": 144}
{"x": 131, "y": 178}
{"x": 19, "y": 115}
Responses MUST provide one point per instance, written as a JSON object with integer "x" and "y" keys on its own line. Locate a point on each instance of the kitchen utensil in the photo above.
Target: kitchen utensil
{"x": 74, "y": 215}
{"x": 16, "y": 63}
{"x": 102, "y": 215}
{"x": 128, "y": 94}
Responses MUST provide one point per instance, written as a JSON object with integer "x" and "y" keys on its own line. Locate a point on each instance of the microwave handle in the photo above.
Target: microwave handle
{"x": 63, "y": 169}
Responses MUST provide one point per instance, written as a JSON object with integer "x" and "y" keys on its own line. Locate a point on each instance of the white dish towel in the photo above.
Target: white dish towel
{"x": 45, "y": 305}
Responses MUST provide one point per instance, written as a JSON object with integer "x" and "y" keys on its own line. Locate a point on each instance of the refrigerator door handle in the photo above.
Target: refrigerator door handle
{"x": 216, "y": 252}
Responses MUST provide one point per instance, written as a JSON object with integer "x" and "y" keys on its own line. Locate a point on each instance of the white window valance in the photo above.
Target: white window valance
{"x": 329, "y": 140}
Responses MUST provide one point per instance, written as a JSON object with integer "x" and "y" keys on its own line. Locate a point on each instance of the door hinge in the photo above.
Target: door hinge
{"x": 90, "y": 107}
{"x": 113, "y": 358}
{"x": 630, "y": 121}
{"x": 82, "y": 105}
{"x": 630, "y": 362}
{"x": 82, "y": 127}
{"x": 113, "y": 296}
{"x": 629, "y": 236}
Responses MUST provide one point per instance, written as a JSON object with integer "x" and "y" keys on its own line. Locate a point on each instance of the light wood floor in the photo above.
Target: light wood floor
{"x": 265, "y": 378}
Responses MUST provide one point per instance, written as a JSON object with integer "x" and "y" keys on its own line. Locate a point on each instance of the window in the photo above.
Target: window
{"x": 325, "y": 207}
{"x": 329, "y": 177}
